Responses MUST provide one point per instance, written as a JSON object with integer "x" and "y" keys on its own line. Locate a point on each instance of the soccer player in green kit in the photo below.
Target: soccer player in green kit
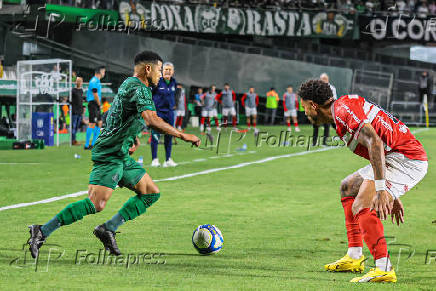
{"x": 132, "y": 108}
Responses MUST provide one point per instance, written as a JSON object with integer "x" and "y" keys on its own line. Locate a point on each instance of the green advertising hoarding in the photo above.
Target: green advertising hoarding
{"x": 93, "y": 17}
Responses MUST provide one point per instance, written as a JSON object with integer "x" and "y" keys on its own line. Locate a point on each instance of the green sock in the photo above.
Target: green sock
{"x": 75, "y": 211}
{"x": 50, "y": 226}
{"x": 137, "y": 205}
{"x": 116, "y": 221}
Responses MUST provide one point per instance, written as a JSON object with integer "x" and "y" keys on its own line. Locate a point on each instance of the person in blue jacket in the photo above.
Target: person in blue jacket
{"x": 165, "y": 102}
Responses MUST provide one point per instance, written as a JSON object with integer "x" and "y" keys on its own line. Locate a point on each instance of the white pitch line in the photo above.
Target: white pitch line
{"x": 80, "y": 193}
{"x": 237, "y": 166}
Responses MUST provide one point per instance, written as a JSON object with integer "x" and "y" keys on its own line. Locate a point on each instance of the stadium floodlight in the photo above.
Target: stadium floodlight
{"x": 42, "y": 86}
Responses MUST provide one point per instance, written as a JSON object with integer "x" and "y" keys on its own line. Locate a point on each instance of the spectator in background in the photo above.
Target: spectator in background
{"x": 105, "y": 108}
{"x": 227, "y": 98}
{"x": 180, "y": 106}
{"x": 93, "y": 96}
{"x": 325, "y": 78}
{"x": 432, "y": 7}
{"x": 164, "y": 100}
{"x": 77, "y": 110}
{"x": 272, "y": 102}
{"x": 250, "y": 101}
{"x": 290, "y": 105}
{"x": 422, "y": 10}
{"x": 197, "y": 101}
{"x": 209, "y": 104}
{"x": 424, "y": 86}
{"x": 105, "y": 105}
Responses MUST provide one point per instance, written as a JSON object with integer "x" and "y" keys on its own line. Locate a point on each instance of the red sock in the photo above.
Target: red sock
{"x": 351, "y": 223}
{"x": 373, "y": 234}
{"x": 234, "y": 121}
{"x": 248, "y": 123}
{"x": 254, "y": 124}
{"x": 208, "y": 121}
{"x": 289, "y": 124}
{"x": 177, "y": 120}
{"x": 216, "y": 122}
{"x": 180, "y": 121}
{"x": 225, "y": 121}
{"x": 296, "y": 124}
{"x": 202, "y": 120}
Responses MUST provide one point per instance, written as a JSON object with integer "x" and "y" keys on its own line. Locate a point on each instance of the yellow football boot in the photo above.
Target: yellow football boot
{"x": 377, "y": 275}
{"x": 347, "y": 264}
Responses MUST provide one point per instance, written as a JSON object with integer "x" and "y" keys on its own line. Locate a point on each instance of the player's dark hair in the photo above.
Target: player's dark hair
{"x": 272, "y": 88}
{"x": 226, "y": 84}
{"x": 315, "y": 90}
{"x": 290, "y": 86}
{"x": 98, "y": 69}
{"x": 147, "y": 57}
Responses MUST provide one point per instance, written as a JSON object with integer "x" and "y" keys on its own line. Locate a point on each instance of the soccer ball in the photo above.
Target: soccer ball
{"x": 207, "y": 239}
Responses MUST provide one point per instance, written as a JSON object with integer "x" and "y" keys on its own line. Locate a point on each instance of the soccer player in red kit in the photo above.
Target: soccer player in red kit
{"x": 397, "y": 163}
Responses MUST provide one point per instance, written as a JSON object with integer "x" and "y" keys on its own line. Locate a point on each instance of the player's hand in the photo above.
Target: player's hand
{"x": 134, "y": 146}
{"x": 191, "y": 138}
{"x": 382, "y": 203}
{"x": 397, "y": 212}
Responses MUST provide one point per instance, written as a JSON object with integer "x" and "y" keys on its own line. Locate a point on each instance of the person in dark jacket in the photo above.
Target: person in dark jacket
{"x": 165, "y": 102}
{"x": 77, "y": 103}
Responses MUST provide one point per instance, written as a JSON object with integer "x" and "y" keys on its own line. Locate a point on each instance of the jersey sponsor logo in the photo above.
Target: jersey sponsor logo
{"x": 344, "y": 124}
{"x": 351, "y": 113}
{"x": 384, "y": 123}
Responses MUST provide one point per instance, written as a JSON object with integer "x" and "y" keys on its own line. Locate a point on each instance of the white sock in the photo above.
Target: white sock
{"x": 354, "y": 252}
{"x": 384, "y": 264}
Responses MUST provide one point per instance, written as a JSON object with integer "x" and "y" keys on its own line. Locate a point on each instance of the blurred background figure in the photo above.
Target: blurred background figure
{"x": 180, "y": 106}
{"x": 325, "y": 78}
{"x": 93, "y": 97}
{"x": 227, "y": 98}
{"x": 272, "y": 102}
{"x": 250, "y": 101}
{"x": 209, "y": 110}
{"x": 77, "y": 110}
{"x": 290, "y": 105}
{"x": 424, "y": 85}
{"x": 197, "y": 102}
{"x": 165, "y": 102}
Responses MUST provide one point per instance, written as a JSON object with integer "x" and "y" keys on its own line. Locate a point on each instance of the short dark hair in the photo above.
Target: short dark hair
{"x": 315, "y": 90}
{"x": 98, "y": 69}
{"x": 226, "y": 84}
{"x": 272, "y": 88}
{"x": 147, "y": 56}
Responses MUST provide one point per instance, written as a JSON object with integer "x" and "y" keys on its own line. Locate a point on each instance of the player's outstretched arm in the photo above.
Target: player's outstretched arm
{"x": 152, "y": 120}
{"x": 382, "y": 202}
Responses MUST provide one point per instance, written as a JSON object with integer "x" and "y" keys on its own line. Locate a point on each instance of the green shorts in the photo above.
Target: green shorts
{"x": 122, "y": 172}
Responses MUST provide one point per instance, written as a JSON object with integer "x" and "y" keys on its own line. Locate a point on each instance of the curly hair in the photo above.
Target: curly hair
{"x": 315, "y": 90}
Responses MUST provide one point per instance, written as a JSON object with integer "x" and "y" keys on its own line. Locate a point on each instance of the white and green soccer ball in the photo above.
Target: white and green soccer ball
{"x": 207, "y": 239}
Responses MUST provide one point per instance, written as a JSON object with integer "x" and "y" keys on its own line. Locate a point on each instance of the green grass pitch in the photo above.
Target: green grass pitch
{"x": 282, "y": 220}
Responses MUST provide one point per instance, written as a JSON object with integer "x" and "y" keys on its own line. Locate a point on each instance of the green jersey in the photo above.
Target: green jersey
{"x": 124, "y": 121}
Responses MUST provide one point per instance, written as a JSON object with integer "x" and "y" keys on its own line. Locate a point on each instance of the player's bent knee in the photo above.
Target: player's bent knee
{"x": 344, "y": 188}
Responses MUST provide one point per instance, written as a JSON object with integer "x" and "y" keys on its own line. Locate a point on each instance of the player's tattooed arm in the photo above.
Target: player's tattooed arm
{"x": 152, "y": 120}
{"x": 382, "y": 202}
{"x": 369, "y": 139}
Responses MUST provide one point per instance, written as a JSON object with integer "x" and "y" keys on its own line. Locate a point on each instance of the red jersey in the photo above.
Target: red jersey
{"x": 352, "y": 112}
